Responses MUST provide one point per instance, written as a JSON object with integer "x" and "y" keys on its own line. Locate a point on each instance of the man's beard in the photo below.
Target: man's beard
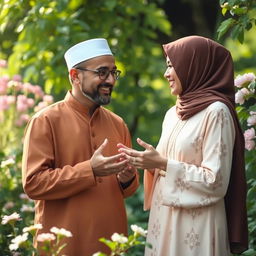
{"x": 97, "y": 97}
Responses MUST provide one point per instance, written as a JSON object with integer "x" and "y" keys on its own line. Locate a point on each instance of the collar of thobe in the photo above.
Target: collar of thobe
{"x": 74, "y": 103}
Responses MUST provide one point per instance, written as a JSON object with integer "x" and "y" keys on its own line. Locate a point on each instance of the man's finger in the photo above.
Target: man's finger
{"x": 102, "y": 146}
{"x": 116, "y": 158}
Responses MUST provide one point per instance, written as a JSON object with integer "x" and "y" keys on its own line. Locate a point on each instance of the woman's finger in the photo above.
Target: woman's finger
{"x": 144, "y": 144}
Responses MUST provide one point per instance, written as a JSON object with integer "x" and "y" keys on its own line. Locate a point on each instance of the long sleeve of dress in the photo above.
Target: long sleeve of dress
{"x": 190, "y": 185}
{"x": 41, "y": 179}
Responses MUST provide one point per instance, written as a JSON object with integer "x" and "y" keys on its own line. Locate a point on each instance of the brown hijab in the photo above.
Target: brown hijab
{"x": 205, "y": 70}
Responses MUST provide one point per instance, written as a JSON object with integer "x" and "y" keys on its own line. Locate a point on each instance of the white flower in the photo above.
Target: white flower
{"x": 18, "y": 241}
{"x": 27, "y": 208}
{"x": 97, "y": 254}
{"x": 61, "y": 231}
{"x": 32, "y": 228}
{"x": 7, "y": 162}
{"x": 45, "y": 237}
{"x": 138, "y": 230}
{"x": 251, "y": 120}
{"x": 13, "y": 217}
{"x": 119, "y": 238}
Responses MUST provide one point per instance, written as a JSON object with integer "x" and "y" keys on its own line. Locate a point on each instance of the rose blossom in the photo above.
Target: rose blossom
{"x": 249, "y": 144}
{"x": 249, "y": 134}
{"x": 138, "y": 230}
{"x": 239, "y": 97}
{"x": 240, "y": 80}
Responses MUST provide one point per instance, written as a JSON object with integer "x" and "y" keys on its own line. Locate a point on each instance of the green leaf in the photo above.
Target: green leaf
{"x": 225, "y": 26}
{"x": 238, "y": 33}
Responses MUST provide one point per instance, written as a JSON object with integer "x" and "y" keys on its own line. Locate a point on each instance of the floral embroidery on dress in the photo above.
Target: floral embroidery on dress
{"x": 159, "y": 200}
{"x": 220, "y": 149}
{"x": 182, "y": 184}
{"x": 205, "y": 201}
{"x": 156, "y": 229}
{"x": 192, "y": 239}
{"x": 194, "y": 212}
{"x": 218, "y": 182}
{"x": 197, "y": 144}
{"x": 222, "y": 118}
{"x": 175, "y": 202}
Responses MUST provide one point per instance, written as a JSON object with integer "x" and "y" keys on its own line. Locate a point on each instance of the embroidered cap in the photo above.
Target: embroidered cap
{"x": 86, "y": 50}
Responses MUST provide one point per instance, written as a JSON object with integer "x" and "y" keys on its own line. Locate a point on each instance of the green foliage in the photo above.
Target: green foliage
{"x": 242, "y": 18}
{"x": 122, "y": 245}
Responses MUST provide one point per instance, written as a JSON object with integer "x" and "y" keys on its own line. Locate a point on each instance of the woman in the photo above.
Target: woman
{"x": 195, "y": 180}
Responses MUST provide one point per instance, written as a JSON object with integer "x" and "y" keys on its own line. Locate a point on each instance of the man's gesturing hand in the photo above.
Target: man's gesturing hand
{"x": 104, "y": 166}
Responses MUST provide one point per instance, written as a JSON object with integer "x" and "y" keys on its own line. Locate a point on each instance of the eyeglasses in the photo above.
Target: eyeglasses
{"x": 103, "y": 73}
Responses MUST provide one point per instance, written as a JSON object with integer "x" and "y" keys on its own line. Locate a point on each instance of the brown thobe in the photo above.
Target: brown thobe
{"x": 59, "y": 142}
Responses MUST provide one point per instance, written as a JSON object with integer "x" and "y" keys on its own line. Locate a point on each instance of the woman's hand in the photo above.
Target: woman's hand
{"x": 147, "y": 159}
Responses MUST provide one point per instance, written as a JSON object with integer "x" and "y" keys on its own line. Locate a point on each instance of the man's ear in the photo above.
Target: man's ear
{"x": 74, "y": 75}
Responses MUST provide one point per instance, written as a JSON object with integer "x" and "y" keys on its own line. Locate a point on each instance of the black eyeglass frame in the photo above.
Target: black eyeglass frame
{"x": 115, "y": 73}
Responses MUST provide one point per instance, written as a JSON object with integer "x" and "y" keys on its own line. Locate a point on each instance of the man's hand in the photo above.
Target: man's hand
{"x": 126, "y": 174}
{"x": 104, "y": 166}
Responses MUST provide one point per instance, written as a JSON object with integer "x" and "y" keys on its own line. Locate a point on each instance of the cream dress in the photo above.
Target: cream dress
{"x": 187, "y": 216}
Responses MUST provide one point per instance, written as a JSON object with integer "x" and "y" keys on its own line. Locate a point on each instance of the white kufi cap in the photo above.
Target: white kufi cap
{"x": 86, "y": 50}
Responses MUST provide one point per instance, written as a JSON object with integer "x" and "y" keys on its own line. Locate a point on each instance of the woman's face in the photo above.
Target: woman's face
{"x": 171, "y": 76}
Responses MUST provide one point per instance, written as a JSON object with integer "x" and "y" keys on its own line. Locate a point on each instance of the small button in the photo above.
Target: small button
{"x": 100, "y": 180}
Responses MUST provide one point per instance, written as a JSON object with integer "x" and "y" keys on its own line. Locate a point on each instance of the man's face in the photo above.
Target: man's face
{"x": 92, "y": 85}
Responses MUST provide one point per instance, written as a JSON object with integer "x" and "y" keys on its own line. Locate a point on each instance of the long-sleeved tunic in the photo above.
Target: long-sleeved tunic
{"x": 59, "y": 141}
{"x": 187, "y": 214}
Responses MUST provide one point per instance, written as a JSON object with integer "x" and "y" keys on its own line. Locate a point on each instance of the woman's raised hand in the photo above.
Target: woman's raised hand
{"x": 150, "y": 158}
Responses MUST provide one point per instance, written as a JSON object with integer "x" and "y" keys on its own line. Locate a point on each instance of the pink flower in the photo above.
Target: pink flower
{"x": 239, "y": 97}
{"x": 17, "y": 78}
{"x": 241, "y": 80}
{"x": 4, "y": 84}
{"x": 29, "y": 88}
{"x": 22, "y": 103}
{"x": 9, "y": 205}
{"x": 3, "y": 64}
{"x": 48, "y": 99}
{"x": 249, "y": 134}
{"x": 22, "y": 120}
{"x": 37, "y": 90}
{"x": 251, "y": 120}
{"x": 4, "y": 102}
{"x": 40, "y": 105}
{"x": 17, "y": 86}
{"x": 245, "y": 91}
{"x": 30, "y": 102}
{"x": 249, "y": 144}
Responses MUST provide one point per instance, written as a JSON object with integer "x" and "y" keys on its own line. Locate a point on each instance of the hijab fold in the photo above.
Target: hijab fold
{"x": 205, "y": 70}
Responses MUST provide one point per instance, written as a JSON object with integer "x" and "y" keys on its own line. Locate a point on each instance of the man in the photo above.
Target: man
{"x": 71, "y": 166}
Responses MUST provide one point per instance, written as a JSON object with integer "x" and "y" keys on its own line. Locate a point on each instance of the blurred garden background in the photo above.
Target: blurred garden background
{"x": 34, "y": 34}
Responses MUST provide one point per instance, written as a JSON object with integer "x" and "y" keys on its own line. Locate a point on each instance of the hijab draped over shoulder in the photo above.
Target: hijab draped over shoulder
{"x": 205, "y": 70}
